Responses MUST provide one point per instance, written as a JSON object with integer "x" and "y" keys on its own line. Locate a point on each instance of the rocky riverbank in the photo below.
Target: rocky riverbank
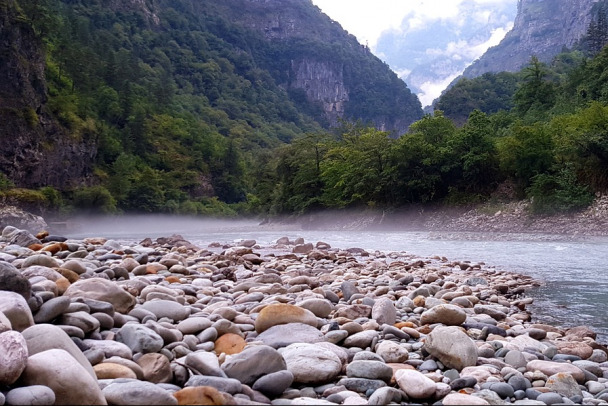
{"x": 94, "y": 321}
{"x": 507, "y": 218}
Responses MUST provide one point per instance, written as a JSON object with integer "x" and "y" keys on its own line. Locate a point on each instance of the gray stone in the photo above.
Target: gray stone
{"x": 134, "y": 392}
{"x": 369, "y": 370}
{"x": 550, "y": 398}
{"x": 52, "y": 309}
{"x": 386, "y": 395}
{"x": 23, "y": 238}
{"x": 31, "y": 395}
{"x": 13, "y": 356}
{"x": 447, "y": 314}
{"x": 204, "y": 363}
{"x": 452, "y": 347}
{"x": 82, "y": 320}
{"x": 194, "y": 325}
{"x": 12, "y": 280}
{"x": 15, "y": 308}
{"x": 110, "y": 348}
{"x": 516, "y": 359}
{"x": 228, "y": 385}
{"x": 319, "y": 307}
{"x": 362, "y": 339}
{"x": 283, "y": 335}
{"x": 252, "y": 363}
{"x": 391, "y": 352}
{"x": 348, "y": 289}
{"x": 43, "y": 337}
{"x": 167, "y": 308}
{"x": 274, "y": 384}
{"x": 41, "y": 260}
{"x": 139, "y": 338}
{"x": 311, "y": 364}
{"x": 68, "y": 379}
{"x": 504, "y": 390}
{"x": 564, "y": 384}
{"x": 361, "y": 385}
{"x": 384, "y": 312}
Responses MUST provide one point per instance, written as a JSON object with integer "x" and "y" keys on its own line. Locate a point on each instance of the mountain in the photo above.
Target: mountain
{"x": 542, "y": 28}
{"x": 428, "y": 52}
{"x": 145, "y": 104}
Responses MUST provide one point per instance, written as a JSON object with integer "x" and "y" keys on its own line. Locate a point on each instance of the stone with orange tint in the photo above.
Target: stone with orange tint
{"x": 199, "y": 395}
{"x": 229, "y": 344}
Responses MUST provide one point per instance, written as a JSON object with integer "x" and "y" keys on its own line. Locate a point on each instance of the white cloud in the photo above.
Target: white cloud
{"x": 367, "y": 19}
{"x": 431, "y": 90}
{"x": 370, "y": 21}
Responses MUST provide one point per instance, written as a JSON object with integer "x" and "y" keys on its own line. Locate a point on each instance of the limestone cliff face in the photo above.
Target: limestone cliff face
{"x": 542, "y": 28}
{"x": 323, "y": 82}
{"x": 35, "y": 150}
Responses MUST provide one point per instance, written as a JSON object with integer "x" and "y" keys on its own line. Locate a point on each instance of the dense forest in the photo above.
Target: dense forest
{"x": 216, "y": 135}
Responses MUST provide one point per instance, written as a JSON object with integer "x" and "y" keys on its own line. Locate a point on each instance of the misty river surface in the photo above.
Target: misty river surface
{"x": 573, "y": 272}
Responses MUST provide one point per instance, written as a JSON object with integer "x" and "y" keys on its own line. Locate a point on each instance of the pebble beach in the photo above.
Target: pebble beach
{"x": 96, "y": 321}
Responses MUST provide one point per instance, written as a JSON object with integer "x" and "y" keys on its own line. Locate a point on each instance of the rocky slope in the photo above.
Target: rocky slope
{"x": 509, "y": 218}
{"x": 542, "y": 28}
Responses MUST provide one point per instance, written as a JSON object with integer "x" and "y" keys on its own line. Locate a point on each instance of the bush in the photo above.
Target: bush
{"x": 558, "y": 193}
{"x": 94, "y": 198}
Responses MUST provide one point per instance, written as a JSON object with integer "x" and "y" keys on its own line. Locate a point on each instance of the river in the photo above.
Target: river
{"x": 573, "y": 272}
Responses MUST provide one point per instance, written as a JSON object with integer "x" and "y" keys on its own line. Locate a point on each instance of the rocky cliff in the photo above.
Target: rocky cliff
{"x": 322, "y": 59}
{"x": 542, "y": 28}
{"x": 35, "y": 150}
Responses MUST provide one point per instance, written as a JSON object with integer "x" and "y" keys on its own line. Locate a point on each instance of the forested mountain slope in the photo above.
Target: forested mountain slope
{"x": 156, "y": 104}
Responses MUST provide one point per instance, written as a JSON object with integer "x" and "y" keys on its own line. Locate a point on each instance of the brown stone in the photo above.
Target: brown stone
{"x": 172, "y": 279}
{"x": 579, "y": 349}
{"x": 35, "y": 247}
{"x": 419, "y": 301}
{"x": 56, "y": 247}
{"x": 62, "y": 285}
{"x": 110, "y": 370}
{"x": 69, "y": 274}
{"x": 156, "y": 367}
{"x": 42, "y": 234}
{"x": 229, "y": 344}
{"x": 283, "y": 313}
{"x": 581, "y": 332}
{"x": 405, "y": 324}
{"x": 199, "y": 395}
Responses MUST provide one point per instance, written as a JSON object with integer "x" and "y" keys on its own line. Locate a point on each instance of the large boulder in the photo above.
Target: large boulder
{"x": 452, "y": 347}
{"x": 252, "y": 363}
{"x": 16, "y": 310}
{"x": 12, "y": 280}
{"x": 311, "y": 364}
{"x": 447, "y": 314}
{"x": 21, "y": 219}
{"x": 58, "y": 370}
{"x": 103, "y": 290}
{"x": 43, "y": 337}
{"x": 13, "y": 356}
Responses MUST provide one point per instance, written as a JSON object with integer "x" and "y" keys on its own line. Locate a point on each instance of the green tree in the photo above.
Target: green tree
{"x": 472, "y": 167}
{"x": 536, "y": 95}
{"x": 528, "y": 151}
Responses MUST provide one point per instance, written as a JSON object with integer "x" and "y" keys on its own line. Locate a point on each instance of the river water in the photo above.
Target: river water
{"x": 573, "y": 271}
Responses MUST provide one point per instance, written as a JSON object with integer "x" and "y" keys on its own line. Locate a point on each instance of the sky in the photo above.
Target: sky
{"x": 378, "y": 22}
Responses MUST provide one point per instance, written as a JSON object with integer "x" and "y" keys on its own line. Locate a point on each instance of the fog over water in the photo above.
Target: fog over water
{"x": 573, "y": 271}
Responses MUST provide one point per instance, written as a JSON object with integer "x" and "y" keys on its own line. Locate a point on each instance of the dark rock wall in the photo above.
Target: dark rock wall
{"x": 35, "y": 150}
